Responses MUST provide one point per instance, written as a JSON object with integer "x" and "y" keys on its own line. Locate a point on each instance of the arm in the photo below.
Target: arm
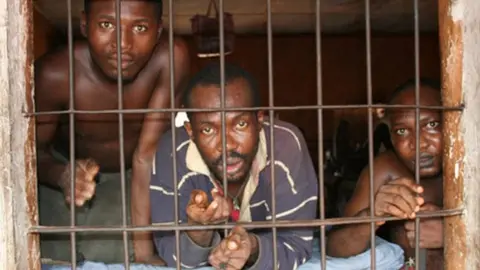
{"x": 162, "y": 197}
{"x": 296, "y": 199}
{"x": 50, "y": 83}
{"x": 350, "y": 240}
{"x": 154, "y": 126}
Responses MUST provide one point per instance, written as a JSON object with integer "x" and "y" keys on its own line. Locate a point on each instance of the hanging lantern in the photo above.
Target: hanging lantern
{"x": 205, "y": 29}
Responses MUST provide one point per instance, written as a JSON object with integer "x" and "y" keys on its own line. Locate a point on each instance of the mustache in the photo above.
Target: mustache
{"x": 230, "y": 155}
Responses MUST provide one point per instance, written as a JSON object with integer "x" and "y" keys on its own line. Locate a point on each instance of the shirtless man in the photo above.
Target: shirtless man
{"x": 394, "y": 182}
{"x": 146, "y": 84}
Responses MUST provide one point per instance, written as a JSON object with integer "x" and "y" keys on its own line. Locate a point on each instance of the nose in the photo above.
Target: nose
{"x": 231, "y": 143}
{"x": 423, "y": 143}
{"x": 125, "y": 40}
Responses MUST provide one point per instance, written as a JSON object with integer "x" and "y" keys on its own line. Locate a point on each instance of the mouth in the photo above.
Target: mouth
{"x": 425, "y": 161}
{"x": 125, "y": 63}
{"x": 233, "y": 166}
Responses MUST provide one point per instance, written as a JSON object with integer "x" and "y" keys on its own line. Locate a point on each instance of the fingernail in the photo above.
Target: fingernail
{"x": 215, "y": 190}
{"x": 417, "y": 208}
{"x": 232, "y": 245}
{"x": 214, "y": 205}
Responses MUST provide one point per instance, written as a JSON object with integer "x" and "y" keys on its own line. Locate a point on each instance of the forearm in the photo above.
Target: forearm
{"x": 140, "y": 207}
{"x": 50, "y": 170}
{"x": 350, "y": 239}
{"x": 202, "y": 238}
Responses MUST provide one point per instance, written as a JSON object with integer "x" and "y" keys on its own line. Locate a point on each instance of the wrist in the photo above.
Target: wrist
{"x": 254, "y": 249}
{"x": 202, "y": 238}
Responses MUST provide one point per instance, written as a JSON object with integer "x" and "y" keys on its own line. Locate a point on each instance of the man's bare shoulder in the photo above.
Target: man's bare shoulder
{"x": 53, "y": 67}
{"x": 387, "y": 166}
{"x": 161, "y": 54}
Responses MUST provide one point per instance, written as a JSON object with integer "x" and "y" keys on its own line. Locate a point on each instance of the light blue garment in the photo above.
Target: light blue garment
{"x": 388, "y": 257}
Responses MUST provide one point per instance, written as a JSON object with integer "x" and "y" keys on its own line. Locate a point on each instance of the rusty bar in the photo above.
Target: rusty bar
{"x": 271, "y": 114}
{"x": 318, "y": 33}
{"x": 279, "y": 108}
{"x": 251, "y": 225}
{"x": 452, "y": 56}
{"x": 370, "y": 132}
{"x": 118, "y": 32}
{"x": 221, "y": 29}
{"x": 18, "y": 183}
{"x": 321, "y": 188}
{"x": 71, "y": 86}
{"x": 173, "y": 127}
{"x": 417, "y": 127}
{"x": 30, "y": 158}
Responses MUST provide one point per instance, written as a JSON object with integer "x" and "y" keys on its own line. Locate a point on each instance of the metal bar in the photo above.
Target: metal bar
{"x": 265, "y": 108}
{"x": 221, "y": 30}
{"x": 370, "y": 133}
{"x": 271, "y": 114}
{"x": 251, "y": 225}
{"x": 71, "y": 85}
{"x": 118, "y": 29}
{"x": 174, "y": 137}
{"x": 321, "y": 191}
{"x": 417, "y": 127}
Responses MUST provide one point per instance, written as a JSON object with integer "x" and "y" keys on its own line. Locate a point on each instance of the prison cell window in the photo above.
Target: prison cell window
{"x": 19, "y": 245}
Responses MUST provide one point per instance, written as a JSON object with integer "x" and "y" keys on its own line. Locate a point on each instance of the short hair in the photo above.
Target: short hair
{"x": 210, "y": 75}
{"x": 159, "y": 4}
{"x": 423, "y": 81}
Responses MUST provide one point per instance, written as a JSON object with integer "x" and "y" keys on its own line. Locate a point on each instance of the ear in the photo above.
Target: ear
{"x": 380, "y": 113}
{"x": 188, "y": 128}
{"x": 160, "y": 29}
{"x": 83, "y": 24}
{"x": 260, "y": 119}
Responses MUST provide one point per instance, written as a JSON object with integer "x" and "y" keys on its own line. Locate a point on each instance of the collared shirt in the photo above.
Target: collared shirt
{"x": 296, "y": 190}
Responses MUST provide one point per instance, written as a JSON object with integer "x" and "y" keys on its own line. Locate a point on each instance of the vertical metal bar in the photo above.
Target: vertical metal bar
{"x": 417, "y": 126}
{"x": 221, "y": 28}
{"x": 71, "y": 85}
{"x": 271, "y": 113}
{"x": 370, "y": 131}
{"x": 318, "y": 43}
{"x": 118, "y": 29}
{"x": 172, "y": 122}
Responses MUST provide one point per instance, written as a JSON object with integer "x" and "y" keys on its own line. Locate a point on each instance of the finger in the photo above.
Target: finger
{"x": 411, "y": 235}
{"x": 402, "y": 196}
{"x": 409, "y": 226}
{"x": 89, "y": 168}
{"x": 85, "y": 189}
{"x": 392, "y": 209}
{"x": 199, "y": 197}
{"x": 240, "y": 230}
{"x": 408, "y": 182}
{"x": 234, "y": 242}
{"x": 429, "y": 207}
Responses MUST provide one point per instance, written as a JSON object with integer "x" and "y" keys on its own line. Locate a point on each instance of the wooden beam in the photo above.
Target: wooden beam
{"x": 460, "y": 53}
{"x": 18, "y": 203}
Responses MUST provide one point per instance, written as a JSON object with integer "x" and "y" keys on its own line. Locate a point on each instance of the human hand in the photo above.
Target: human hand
{"x": 234, "y": 251}
{"x": 431, "y": 230}
{"x": 85, "y": 172}
{"x": 398, "y": 198}
{"x": 200, "y": 211}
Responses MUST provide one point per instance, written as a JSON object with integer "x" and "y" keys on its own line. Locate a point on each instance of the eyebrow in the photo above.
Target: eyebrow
{"x": 112, "y": 17}
{"x": 239, "y": 115}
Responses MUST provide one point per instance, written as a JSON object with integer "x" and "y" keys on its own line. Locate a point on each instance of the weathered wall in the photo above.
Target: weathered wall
{"x": 459, "y": 21}
{"x": 17, "y": 154}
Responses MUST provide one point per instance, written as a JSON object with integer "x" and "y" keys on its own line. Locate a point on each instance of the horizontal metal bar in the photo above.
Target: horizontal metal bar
{"x": 250, "y": 225}
{"x": 276, "y": 108}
